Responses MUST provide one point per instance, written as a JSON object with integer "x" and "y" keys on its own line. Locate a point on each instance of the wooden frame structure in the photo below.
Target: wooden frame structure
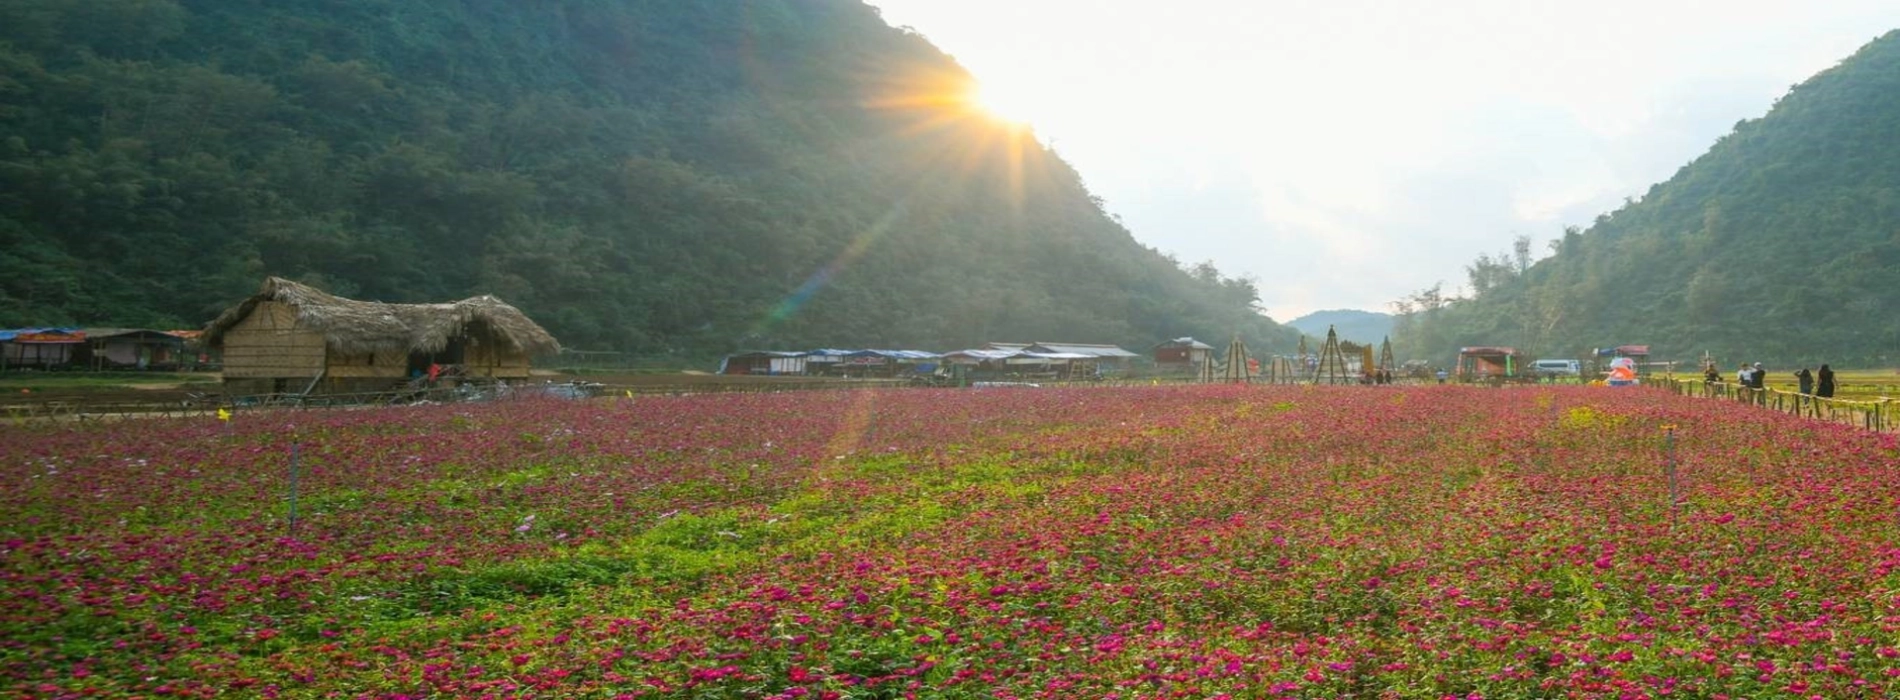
{"x": 1332, "y": 362}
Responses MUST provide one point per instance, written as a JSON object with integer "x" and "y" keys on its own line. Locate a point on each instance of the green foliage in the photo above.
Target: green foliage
{"x": 1779, "y": 244}
{"x": 664, "y": 179}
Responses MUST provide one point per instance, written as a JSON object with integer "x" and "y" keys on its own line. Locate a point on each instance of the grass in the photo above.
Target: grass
{"x": 98, "y": 381}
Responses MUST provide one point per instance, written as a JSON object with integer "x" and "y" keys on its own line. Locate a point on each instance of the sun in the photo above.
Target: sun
{"x": 1003, "y": 103}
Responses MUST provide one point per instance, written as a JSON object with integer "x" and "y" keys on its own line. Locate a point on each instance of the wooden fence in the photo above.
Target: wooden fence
{"x": 1872, "y": 414}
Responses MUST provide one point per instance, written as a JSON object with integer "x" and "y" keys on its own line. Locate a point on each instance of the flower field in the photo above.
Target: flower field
{"x": 1165, "y": 542}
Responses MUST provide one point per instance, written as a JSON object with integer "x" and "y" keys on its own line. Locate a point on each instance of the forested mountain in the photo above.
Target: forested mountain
{"x": 661, "y": 178}
{"x": 1365, "y": 327}
{"x": 1781, "y": 243}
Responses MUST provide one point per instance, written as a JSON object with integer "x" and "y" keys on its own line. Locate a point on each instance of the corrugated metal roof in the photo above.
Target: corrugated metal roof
{"x": 101, "y": 333}
{"x": 1186, "y": 342}
{"x": 769, "y": 353}
{"x": 984, "y": 354}
{"x": 1082, "y": 349}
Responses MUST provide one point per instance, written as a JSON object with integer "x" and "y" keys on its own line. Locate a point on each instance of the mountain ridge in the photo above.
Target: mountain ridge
{"x": 1779, "y": 243}
{"x": 1351, "y": 324}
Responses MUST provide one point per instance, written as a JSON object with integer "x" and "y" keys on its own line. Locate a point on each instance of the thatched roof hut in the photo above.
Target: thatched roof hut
{"x": 289, "y": 330}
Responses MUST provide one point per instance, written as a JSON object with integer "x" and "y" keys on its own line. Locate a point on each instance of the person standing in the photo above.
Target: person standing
{"x": 1757, "y": 377}
{"x": 1824, "y": 387}
{"x": 1806, "y": 380}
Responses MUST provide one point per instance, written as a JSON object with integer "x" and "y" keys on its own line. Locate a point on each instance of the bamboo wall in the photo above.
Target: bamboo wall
{"x": 385, "y": 364}
{"x": 268, "y": 343}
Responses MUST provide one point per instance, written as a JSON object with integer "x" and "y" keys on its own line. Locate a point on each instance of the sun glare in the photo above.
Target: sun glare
{"x": 1003, "y": 104}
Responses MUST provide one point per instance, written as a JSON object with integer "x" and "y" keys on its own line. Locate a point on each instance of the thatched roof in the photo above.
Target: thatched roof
{"x": 358, "y": 327}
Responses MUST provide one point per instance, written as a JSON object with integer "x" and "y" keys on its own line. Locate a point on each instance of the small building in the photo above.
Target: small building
{"x": 764, "y": 362}
{"x": 1060, "y": 360}
{"x": 290, "y": 337}
{"x": 196, "y": 356}
{"x": 989, "y": 364}
{"x": 40, "y": 348}
{"x": 1098, "y": 359}
{"x": 1489, "y": 363}
{"x": 886, "y": 363}
{"x": 131, "y": 348}
{"x": 1182, "y": 352}
{"x": 1634, "y": 352}
{"x": 825, "y": 361}
{"x": 1077, "y": 359}
{"x": 980, "y": 357}
{"x": 1106, "y": 353}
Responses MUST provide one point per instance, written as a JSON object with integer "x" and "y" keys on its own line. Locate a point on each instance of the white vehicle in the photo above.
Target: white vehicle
{"x": 1558, "y": 368}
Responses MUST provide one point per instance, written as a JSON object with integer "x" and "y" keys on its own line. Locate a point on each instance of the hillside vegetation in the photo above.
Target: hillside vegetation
{"x": 1781, "y": 243}
{"x": 656, "y": 178}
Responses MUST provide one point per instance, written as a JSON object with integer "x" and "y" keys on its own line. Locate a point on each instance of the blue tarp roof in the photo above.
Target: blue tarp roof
{"x": 895, "y": 354}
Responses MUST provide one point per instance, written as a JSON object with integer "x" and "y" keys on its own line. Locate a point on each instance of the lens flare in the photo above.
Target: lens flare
{"x": 954, "y": 141}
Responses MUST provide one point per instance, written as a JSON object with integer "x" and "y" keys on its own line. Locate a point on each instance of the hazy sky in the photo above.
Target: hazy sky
{"x": 1348, "y": 152}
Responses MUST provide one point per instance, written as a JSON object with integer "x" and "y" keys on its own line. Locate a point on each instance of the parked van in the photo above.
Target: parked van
{"x": 1557, "y": 368}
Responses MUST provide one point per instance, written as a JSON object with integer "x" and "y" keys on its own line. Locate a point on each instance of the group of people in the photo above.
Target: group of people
{"x": 1377, "y": 376}
{"x": 1752, "y": 376}
{"x": 1821, "y": 382}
